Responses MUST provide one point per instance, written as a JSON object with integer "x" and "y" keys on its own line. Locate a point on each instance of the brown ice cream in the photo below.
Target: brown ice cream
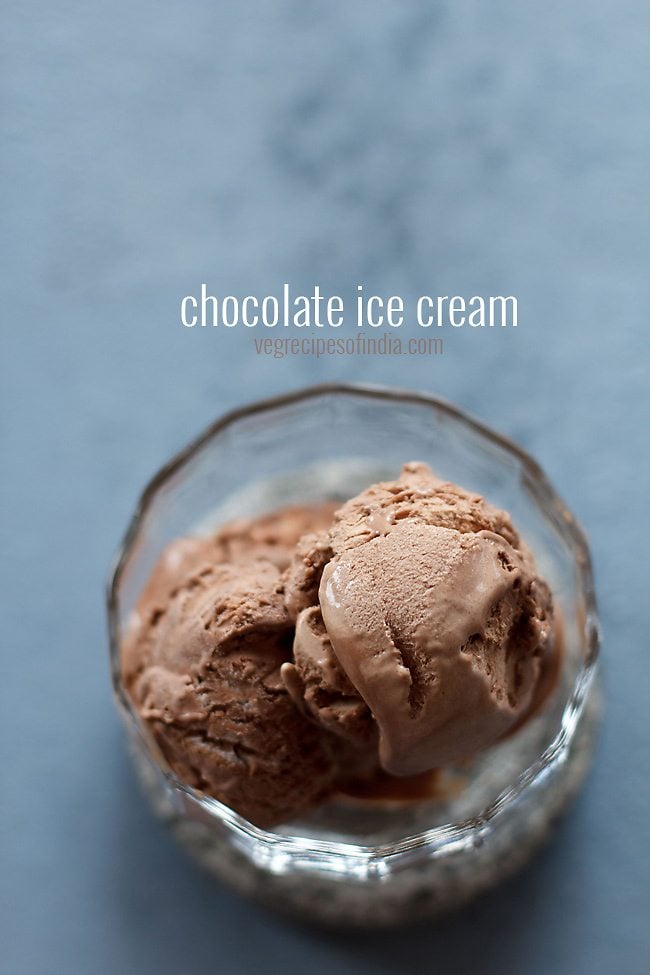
{"x": 431, "y": 608}
{"x": 286, "y": 655}
{"x": 202, "y": 660}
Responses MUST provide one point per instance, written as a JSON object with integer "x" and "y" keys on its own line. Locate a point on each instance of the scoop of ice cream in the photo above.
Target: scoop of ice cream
{"x": 271, "y": 537}
{"x": 432, "y": 609}
{"x": 201, "y": 662}
{"x": 434, "y": 630}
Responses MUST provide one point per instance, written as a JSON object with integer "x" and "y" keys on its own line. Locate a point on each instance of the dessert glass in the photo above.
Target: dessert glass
{"x": 372, "y": 862}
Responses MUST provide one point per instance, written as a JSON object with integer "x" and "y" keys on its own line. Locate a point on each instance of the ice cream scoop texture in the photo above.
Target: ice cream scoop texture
{"x": 286, "y": 654}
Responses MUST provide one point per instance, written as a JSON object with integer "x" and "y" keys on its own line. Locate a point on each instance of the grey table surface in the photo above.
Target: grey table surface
{"x": 424, "y": 147}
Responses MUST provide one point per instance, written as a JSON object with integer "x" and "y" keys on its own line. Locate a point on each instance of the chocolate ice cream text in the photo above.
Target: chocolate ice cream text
{"x": 318, "y": 310}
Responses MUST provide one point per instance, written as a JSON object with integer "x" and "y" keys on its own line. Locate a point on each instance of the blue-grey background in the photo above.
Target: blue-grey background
{"x": 423, "y": 147}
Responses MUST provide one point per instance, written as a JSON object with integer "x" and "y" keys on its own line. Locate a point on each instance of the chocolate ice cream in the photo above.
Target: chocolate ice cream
{"x": 286, "y": 655}
{"x": 429, "y": 607}
{"x": 202, "y": 660}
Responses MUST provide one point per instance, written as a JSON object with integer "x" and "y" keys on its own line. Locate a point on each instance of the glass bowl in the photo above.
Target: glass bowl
{"x": 372, "y": 863}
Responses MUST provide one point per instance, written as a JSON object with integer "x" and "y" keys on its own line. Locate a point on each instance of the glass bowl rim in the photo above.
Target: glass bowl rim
{"x": 343, "y": 856}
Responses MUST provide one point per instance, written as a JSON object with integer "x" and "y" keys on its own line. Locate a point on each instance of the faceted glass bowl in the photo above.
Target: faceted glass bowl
{"x": 353, "y": 862}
